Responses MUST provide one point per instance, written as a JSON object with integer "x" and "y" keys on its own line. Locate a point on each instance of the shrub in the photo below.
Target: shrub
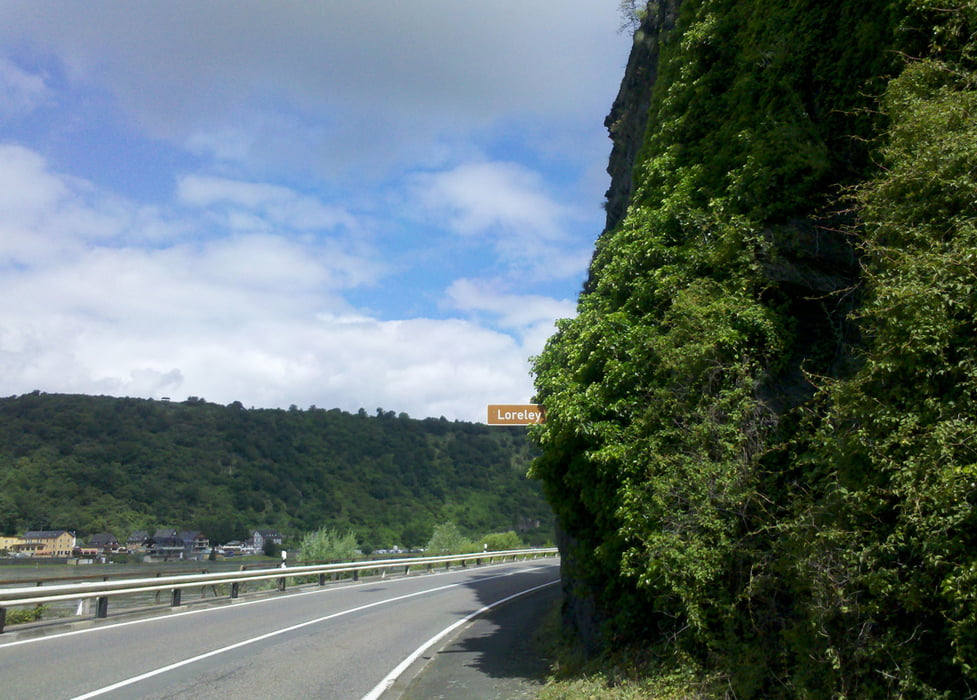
{"x": 447, "y": 539}
{"x": 326, "y": 544}
{"x": 500, "y": 541}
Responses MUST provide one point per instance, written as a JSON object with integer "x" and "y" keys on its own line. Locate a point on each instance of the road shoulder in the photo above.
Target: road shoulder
{"x": 500, "y": 655}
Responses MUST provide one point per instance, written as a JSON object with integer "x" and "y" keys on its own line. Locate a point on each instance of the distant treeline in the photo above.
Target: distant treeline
{"x": 91, "y": 464}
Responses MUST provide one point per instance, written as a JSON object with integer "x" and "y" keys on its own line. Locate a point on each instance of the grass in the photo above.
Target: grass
{"x": 18, "y": 616}
{"x": 631, "y": 673}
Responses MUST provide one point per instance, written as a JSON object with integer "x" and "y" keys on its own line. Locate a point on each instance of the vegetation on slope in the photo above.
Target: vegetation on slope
{"x": 98, "y": 463}
{"x": 760, "y": 433}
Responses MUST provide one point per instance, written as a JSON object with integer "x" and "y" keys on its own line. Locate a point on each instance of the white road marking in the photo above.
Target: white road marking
{"x": 231, "y": 606}
{"x": 392, "y": 677}
{"x": 284, "y": 630}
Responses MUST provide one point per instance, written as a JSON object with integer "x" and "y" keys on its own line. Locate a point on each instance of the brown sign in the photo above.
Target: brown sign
{"x": 515, "y": 414}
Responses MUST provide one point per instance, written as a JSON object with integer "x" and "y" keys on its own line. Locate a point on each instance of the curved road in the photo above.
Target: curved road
{"x": 343, "y": 641}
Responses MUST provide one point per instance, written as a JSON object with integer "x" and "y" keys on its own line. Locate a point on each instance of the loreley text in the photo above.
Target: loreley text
{"x": 515, "y": 414}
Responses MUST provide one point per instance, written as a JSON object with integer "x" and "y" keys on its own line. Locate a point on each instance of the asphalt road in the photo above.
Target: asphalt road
{"x": 500, "y": 655}
{"x": 347, "y": 641}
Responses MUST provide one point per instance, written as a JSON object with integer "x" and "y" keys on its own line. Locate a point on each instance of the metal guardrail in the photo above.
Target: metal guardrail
{"x": 101, "y": 591}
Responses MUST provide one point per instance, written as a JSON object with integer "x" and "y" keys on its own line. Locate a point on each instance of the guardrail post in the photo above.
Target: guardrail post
{"x": 97, "y": 596}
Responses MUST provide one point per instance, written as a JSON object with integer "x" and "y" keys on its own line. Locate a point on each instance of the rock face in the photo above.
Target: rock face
{"x": 810, "y": 263}
{"x": 626, "y": 126}
{"x": 629, "y": 115}
{"x": 760, "y": 442}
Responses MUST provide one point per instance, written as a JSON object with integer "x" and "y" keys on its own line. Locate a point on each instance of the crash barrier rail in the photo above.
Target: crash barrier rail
{"x": 155, "y": 569}
{"x": 101, "y": 591}
{"x": 40, "y": 580}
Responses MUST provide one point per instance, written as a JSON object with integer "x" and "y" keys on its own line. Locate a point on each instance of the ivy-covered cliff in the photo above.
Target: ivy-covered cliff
{"x": 761, "y": 444}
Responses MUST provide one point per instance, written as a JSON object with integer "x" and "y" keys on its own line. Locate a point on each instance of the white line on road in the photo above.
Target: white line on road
{"x": 238, "y": 604}
{"x": 284, "y": 630}
{"x": 392, "y": 677}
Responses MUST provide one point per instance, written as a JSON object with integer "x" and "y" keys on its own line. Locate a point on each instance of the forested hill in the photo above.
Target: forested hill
{"x": 761, "y": 436}
{"x": 91, "y": 464}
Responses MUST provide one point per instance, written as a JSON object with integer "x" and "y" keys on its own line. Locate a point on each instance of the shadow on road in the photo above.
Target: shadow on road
{"x": 501, "y": 654}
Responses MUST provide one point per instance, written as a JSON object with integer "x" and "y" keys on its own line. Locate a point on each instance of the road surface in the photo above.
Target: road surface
{"x": 344, "y": 641}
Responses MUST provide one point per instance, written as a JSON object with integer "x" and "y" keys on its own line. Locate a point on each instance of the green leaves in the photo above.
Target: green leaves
{"x": 904, "y": 442}
{"x": 96, "y": 463}
{"x": 709, "y": 490}
{"x": 328, "y": 544}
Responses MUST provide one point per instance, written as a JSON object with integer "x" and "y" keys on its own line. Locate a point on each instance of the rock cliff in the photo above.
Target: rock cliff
{"x": 628, "y": 118}
{"x": 759, "y": 443}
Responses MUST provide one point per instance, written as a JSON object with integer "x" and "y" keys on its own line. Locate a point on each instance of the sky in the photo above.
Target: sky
{"x": 370, "y": 204}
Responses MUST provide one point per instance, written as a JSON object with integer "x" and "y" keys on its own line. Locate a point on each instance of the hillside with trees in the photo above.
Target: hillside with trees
{"x": 91, "y": 464}
{"x": 761, "y": 437}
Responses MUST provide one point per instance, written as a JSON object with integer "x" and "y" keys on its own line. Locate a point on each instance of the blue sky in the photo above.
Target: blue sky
{"x": 346, "y": 204}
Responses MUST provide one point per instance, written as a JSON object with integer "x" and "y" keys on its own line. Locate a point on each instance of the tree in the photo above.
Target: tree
{"x": 447, "y": 539}
{"x": 327, "y": 544}
{"x": 632, "y": 12}
{"x": 500, "y": 541}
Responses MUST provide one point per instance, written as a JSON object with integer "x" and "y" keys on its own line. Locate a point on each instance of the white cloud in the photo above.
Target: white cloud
{"x": 364, "y": 82}
{"x": 424, "y": 367}
{"x": 21, "y": 92}
{"x": 46, "y": 215}
{"x": 507, "y": 206}
{"x": 513, "y": 310}
{"x": 491, "y": 197}
{"x": 276, "y": 122}
{"x": 280, "y": 205}
{"x": 530, "y": 316}
{"x": 259, "y": 318}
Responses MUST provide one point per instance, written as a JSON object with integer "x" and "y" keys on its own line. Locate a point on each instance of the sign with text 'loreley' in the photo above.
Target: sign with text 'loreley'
{"x": 515, "y": 414}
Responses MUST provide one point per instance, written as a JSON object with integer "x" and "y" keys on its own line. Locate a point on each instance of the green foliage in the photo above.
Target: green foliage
{"x": 501, "y": 541}
{"x": 271, "y": 549}
{"x": 630, "y": 675}
{"x": 93, "y": 464}
{"x": 19, "y": 616}
{"x": 448, "y": 539}
{"x": 632, "y": 12}
{"x": 897, "y": 519}
{"x": 327, "y": 544}
{"x": 733, "y": 479}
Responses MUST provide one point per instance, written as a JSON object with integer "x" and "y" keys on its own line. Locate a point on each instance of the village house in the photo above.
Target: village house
{"x": 86, "y": 555}
{"x": 165, "y": 544}
{"x": 9, "y": 544}
{"x": 137, "y": 541}
{"x": 195, "y": 544}
{"x": 259, "y": 538}
{"x": 104, "y": 542}
{"x": 47, "y": 543}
